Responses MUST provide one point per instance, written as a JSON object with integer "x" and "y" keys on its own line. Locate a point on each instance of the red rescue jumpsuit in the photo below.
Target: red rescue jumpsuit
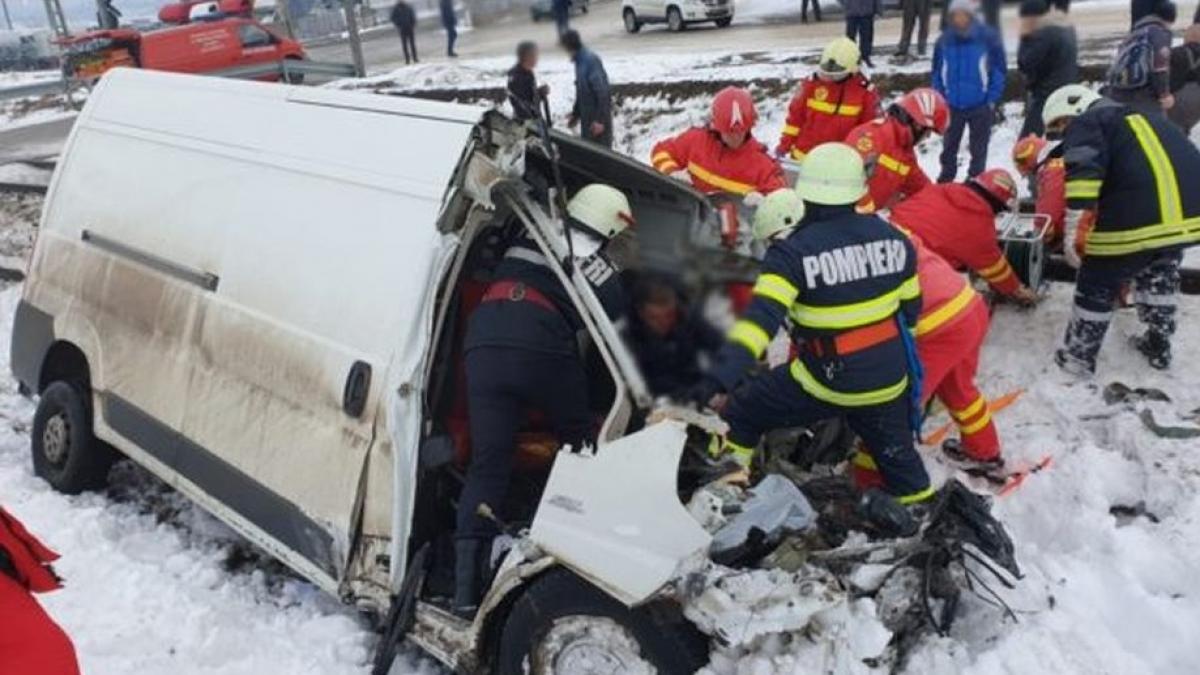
{"x": 958, "y": 224}
{"x": 30, "y": 641}
{"x": 715, "y": 167}
{"x": 1052, "y": 196}
{"x": 950, "y": 333}
{"x": 824, "y": 111}
{"x": 886, "y": 145}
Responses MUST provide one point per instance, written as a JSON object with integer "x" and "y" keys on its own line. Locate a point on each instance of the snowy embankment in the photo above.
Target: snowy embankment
{"x": 154, "y": 585}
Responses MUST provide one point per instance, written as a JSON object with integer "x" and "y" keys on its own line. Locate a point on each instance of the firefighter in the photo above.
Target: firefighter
{"x": 888, "y": 146}
{"x": 521, "y": 352}
{"x": 847, "y": 282}
{"x": 958, "y": 222}
{"x": 723, "y": 157}
{"x": 1033, "y": 157}
{"x": 1131, "y": 174}
{"x": 30, "y": 641}
{"x": 830, "y": 103}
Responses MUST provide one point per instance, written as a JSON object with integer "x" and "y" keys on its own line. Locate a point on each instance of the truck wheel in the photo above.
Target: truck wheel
{"x": 675, "y": 20}
{"x": 565, "y": 625}
{"x": 724, "y": 23}
{"x": 65, "y": 453}
{"x": 632, "y": 25}
{"x": 293, "y": 78}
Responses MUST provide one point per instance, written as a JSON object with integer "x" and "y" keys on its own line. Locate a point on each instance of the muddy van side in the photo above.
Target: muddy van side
{"x": 268, "y": 315}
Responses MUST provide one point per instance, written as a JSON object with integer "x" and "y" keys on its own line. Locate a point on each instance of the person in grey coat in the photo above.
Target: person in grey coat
{"x": 1048, "y": 58}
{"x": 1185, "y": 78}
{"x": 860, "y": 25}
{"x": 593, "y": 97}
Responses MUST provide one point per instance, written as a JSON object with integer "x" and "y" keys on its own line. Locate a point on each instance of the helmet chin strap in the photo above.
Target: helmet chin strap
{"x": 586, "y": 241}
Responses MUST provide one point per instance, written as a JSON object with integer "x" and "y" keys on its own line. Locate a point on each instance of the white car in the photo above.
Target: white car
{"x": 677, "y": 14}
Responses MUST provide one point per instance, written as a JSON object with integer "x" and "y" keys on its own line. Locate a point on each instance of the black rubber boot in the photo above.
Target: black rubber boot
{"x": 1156, "y": 347}
{"x": 888, "y": 515}
{"x": 467, "y": 576}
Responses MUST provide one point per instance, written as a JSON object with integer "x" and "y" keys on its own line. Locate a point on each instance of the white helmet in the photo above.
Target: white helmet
{"x": 833, "y": 174}
{"x": 779, "y": 213}
{"x": 602, "y": 208}
{"x": 1068, "y": 101}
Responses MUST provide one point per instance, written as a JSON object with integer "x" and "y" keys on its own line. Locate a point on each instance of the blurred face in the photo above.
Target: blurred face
{"x": 1192, "y": 34}
{"x": 1028, "y": 24}
{"x": 960, "y": 20}
{"x": 1057, "y": 128}
{"x": 531, "y": 59}
{"x": 660, "y": 317}
{"x": 734, "y": 139}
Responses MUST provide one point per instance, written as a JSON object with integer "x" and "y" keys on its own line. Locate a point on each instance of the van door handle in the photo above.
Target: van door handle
{"x": 358, "y": 385}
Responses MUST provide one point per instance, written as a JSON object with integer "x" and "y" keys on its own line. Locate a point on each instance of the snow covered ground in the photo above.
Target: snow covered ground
{"x": 154, "y": 585}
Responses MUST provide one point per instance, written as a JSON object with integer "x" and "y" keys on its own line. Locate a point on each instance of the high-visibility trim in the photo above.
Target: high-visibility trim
{"x": 893, "y": 164}
{"x": 726, "y": 184}
{"x": 995, "y": 269}
{"x": 776, "y": 288}
{"x": 668, "y": 167}
{"x": 834, "y": 108}
{"x": 662, "y": 156}
{"x": 951, "y": 308}
{"x": 969, "y": 411}
{"x": 848, "y": 316}
{"x": 856, "y": 399}
{"x": 790, "y": 130}
{"x": 911, "y": 288}
{"x": 1008, "y": 272}
{"x": 916, "y": 497}
{"x": 751, "y": 336}
{"x": 1170, "y": 204}
{"x": 742, "y": 454}
{"x": 798, "y": 155}
{"x": 984, "y": 420}
{"x": 1162, "y": 235}
{"x": 1084, "y": 188}
{"x": 864, "y": 460}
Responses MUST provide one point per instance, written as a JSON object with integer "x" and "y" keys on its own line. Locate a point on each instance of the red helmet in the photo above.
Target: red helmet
{"x": 927, "y": 108}
{"x": 733, "y": 110}
{"x": 1000, "y": 184}
{"x": 1027, "y": 152}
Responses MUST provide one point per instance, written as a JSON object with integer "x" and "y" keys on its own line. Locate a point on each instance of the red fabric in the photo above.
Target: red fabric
{"x": 959, "y": 225}
{"x": 30, "y": 557}
{"x": 1052, "y": 196}
{"x": 810, "y": 122}
{"x": 504, "y": 291}
{"x": 883, "y": 142}
{"x": 30, "y": 642}
{"x": 950, "y": 359}
{"x": 740, "y": 295}
{"x": 940, "y": 285}
{"x": 715, "y": 167}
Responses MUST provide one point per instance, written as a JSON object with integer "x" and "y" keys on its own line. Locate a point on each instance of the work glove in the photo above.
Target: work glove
{"x": 753, "y": 199}
{"x": 703, "y": 392}
{"x": 1071, "y": 225}
{"x": 1025, "y": 296}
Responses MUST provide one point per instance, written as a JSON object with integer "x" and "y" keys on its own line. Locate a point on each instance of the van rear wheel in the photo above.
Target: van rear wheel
{"x": 562, "y": 624}
{"x": 65, "y": 453}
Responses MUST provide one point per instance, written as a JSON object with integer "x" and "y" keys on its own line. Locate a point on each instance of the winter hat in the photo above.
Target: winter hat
{"x": 1032, "y": 8}
{"x": 961, "y": 6}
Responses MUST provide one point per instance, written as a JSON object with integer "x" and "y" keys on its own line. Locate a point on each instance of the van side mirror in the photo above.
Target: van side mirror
{"x": 358, "y": 385}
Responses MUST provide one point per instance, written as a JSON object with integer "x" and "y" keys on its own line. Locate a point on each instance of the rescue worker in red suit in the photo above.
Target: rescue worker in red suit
{"x": 888, "y": 146}
{"x": 958, "y": 222}
{"x": 723, "y": 157}
{"x": 830, "y": 103}
{"x": 30, "y": 641}
{"x": 1032, "y": 158}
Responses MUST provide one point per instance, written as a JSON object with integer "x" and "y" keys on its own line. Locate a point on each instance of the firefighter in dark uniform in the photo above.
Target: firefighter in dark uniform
{"x": 848, "y": 284}
{"x": 522, "y": 353}
{"x": 1127, "y": 181}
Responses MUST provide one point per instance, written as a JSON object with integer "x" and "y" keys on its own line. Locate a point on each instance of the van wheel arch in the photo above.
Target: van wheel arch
{"x": 66, "y": 362}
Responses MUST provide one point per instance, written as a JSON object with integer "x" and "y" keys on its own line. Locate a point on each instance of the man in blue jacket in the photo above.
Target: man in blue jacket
{"x": 592, "y": 110}
{"x": 968, "y": 69}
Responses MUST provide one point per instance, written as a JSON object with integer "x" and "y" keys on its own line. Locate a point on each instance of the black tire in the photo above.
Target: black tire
{"x": 583, "y": 9}
{"x": 632, "y": 25}
{"x": 663, "y": 637}
{"x": 675, "y": 20}
{"x": 65, "y": 453}
{"x": 724, "y": 23}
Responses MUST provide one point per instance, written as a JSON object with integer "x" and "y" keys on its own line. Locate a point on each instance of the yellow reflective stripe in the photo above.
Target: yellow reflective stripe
{"x": 668, "y": 167}
{"x": 751, "y": 336}
{"x": 889, "y": 162}
{"x": 789, "y": 130}
{"x": 915, "y": 497}
{"x": 713, "y": 179}
{"x": 797, "y": 155}
{"x": 1084, "y": 188}
{"x": 834, "y": 108}
{"x": 776, "y": 288}
{"x": 856, "y": 399}
{"x": 975, "y": 426}
{"x": 848, "y": 316}
{"x": 1122, "y": 242}
{"x": 911, "y": 288}
{"x": 994, "y": 269}
{"x": 741, "y": 454}
{"x": 935, "y": 319}
{"x": 1170, "y": 204}
{"x": 661, "y": 156}
{"x": 864, "y": 461}
{"x": 971, "y": 410}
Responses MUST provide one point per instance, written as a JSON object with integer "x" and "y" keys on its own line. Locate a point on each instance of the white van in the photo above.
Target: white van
{"x": 258, "y": 293}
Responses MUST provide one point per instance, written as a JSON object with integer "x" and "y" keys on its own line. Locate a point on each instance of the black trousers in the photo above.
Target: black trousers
{"x": 502, "y": 384}
{"x": 816, "y": 5}
{"x": 861, "y": 29}
{"x": 978, "y": 121}
{"x": 1033, "y": 124}
{"x": 914, "y": 11}
{"x": 408, "y": 41}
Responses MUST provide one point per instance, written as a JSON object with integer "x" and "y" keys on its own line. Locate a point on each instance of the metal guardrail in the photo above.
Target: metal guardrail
{"x": 34, "y": 89}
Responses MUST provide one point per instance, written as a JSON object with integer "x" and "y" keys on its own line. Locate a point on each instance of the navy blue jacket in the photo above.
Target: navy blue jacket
{"x": 969, "y": 69}
{"x": 671, "y": 364}
{"x": 593, "y": 97}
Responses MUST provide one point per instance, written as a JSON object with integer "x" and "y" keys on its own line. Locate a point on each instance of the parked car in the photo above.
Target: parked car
{"x": 271, "y": 320}
{"x": 677, "y": 14}
{"x": 544, "y": 9}
{"x": 197, "y": 47}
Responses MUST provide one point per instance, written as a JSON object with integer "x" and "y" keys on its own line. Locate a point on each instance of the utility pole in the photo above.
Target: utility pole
{"x": 285, "y": 15}
{"x": 56, "y": 18}
{"x": 360, "y": 67}
{"x": 7, "y": 18}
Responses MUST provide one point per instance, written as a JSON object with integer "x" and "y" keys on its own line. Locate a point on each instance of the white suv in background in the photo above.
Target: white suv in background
{"x": 677, "y": 14}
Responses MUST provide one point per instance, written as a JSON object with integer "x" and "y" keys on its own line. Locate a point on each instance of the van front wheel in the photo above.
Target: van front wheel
{"x": 65, "y": 453}
{"x": 565, "y": 625}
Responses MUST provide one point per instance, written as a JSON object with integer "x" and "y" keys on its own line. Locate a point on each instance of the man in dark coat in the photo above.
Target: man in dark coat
{"x": 524, "y": 94}
{"x": 1140, "y": 75}
{"x": 1048, "y": 58}
{"x": 562, "y": 15}
{"x": 860, "y": 25}
{"x": 405, "y": 20}
{"x": 668, "y": 338}
{"x": 1185, "y": 78}
{"x": 450, "y": 23}
{"x": 593, "y": 97}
